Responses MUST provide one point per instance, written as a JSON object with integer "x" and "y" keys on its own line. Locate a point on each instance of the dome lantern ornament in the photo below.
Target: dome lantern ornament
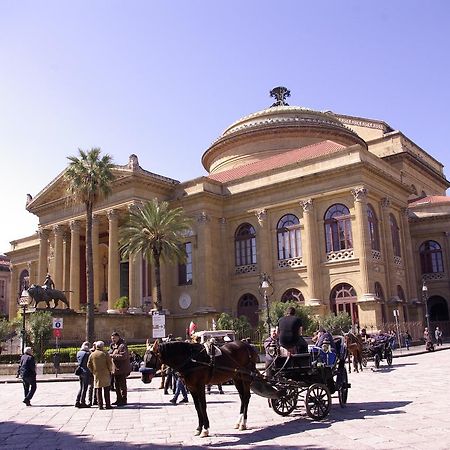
{"x": 280, "y": 93}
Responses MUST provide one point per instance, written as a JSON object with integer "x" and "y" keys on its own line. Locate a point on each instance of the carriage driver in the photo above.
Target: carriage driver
{"x": 48, "y": 282}
{"x": 325, "y": 337}
{"x": 289, "y": 330}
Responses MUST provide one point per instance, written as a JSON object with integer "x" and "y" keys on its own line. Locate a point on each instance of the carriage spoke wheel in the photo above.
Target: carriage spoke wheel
{"x": 343, "y": 388}
{"x": 364, "y": 361}
{"x": 389, "y": 357}
{"x": 286, "y": 404}
{"x": 318, "y": 401}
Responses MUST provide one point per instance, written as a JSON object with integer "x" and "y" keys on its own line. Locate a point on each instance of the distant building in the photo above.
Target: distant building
{"x": 5, "y": 283}
{"x": 345, "y": 214}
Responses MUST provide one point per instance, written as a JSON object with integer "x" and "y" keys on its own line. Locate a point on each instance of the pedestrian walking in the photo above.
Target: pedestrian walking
{"x": 100, "y": 364}
{"x": 121, "y": 366}
{"x": 408, "y": 339}
{"x": 27, "y": 371}
{"x": 179, "y": 389}
{"x": 85, "y": 376}
{"x": 438, "y": 336}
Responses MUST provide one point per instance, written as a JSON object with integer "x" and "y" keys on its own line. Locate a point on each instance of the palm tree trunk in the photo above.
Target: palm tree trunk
{"x": 90, "y": 334}
{"x": 157, "y": 302}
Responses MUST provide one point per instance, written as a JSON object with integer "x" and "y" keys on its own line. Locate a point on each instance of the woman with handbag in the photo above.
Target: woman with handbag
{"x": 85, "y": 376}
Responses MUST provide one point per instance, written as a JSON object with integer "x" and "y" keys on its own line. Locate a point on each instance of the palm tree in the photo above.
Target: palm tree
{"x": 88, "y": 178}
{"x": 157, "y": 232}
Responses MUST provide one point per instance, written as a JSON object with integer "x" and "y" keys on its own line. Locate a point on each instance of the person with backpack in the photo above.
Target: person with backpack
{"x": 85, "y": 376}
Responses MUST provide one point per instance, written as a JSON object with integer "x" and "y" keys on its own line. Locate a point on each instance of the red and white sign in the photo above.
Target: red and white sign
{"x": 57, "y": 333}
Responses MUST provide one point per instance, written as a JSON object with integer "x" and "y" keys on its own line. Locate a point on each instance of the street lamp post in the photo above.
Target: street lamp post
{"x": 24, "y": 300}
{"x": 425, "y": 299}
{"x": 105, "y": 293}
{"x": 266, "y": 289}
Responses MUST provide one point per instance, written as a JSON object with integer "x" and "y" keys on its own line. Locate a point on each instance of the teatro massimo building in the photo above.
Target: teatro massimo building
{"x": 342, "y": 212}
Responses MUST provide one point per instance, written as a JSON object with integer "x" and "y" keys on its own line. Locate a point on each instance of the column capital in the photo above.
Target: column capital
{"x": 385, "y": 202}
{"x": 75, "y": 225}
{"x": 43, "y": 233}
{"x": 95, "y": 219}
{"x": 203, "y": 217}
{"x": 261, "y": 215}
{"x": 359, "y": 193}
{"x": 58, "y": 230}
{"x": 405, "y": 212}
{"x": 307, "y": 205}
{"x": 112, "y": 214}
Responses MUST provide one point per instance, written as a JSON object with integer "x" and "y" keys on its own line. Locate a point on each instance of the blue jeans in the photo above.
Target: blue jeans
{"x": 180, "y": 389}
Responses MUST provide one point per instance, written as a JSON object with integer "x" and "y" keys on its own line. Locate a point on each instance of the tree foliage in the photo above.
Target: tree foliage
{"x": 157, "y": 232}
{"x": 5, "y": 329}
{"x": 337, "y": 324}
{"x": 278, "y": 310}
{"x": 39, "y": 331}
{"x": 89, "y": 177}
{"x": 239, "y": 324}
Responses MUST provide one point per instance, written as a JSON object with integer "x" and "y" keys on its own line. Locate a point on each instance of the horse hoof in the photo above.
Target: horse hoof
{"x": 205, "y": 433}
{"x": 197, "y": 433}
{"x": 237, "y": 426}
{"x": 242, "y": 427}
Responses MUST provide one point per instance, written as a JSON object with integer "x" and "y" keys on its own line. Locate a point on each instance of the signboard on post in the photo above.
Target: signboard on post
{"x": 58, "y": 323}
{"x": 159, "y": 325}
{"x": 57, "y": 333}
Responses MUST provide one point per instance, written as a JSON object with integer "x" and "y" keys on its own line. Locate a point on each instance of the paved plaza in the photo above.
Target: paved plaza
{"x": 406, "y": 406}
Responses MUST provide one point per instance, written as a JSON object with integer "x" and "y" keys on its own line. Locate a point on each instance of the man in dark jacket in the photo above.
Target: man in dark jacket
{"x": 290, "y": 328}
{"x": 122, "y": 367}
{"x": 27, "y": 371}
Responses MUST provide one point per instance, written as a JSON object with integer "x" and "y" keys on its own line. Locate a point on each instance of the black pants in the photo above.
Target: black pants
{"x": 29, "y": 387}
{"x": 86, "y": 381}
{"x": 99, "y": 395}
{"x": 120, "y": 383}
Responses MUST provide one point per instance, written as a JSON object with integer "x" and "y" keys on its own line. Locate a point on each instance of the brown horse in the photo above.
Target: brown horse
{"x": 237, "y": 362}
{"x": 355, "y": 348}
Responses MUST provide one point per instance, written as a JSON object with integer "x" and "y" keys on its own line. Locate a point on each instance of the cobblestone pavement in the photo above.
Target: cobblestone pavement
{"x": 405, "y": 406}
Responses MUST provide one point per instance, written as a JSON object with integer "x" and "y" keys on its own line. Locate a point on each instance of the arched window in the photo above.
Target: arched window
{"x": 395, "y": 233}
{"x": 338, "y": 228}
{"x": 293, "y": 295}
{"x": 245, "y": 245}
{"x": 248, "y": 306}
{"x": 379, "y": 294}
{"x": 431, "y": 257}
{"x": 24, "y": 280}
{"x": 288, "y": 237}
{"x": 343, "y": 299}
{"x": 373, "y": 228}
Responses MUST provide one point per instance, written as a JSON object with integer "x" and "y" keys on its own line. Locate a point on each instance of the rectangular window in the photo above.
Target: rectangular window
{"x": 2, "y": 288}
{"x": 185, "y": 270}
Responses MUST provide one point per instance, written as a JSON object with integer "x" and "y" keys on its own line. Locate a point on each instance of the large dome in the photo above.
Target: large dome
{"x": 272, "y": 131}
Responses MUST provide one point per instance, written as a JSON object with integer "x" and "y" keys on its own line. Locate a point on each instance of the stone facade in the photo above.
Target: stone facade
{"x": 333, "y": 207}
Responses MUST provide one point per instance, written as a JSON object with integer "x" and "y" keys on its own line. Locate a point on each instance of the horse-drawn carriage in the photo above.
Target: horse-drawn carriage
{"x": 377, "y": 350}
{"x": 312, "y": 377}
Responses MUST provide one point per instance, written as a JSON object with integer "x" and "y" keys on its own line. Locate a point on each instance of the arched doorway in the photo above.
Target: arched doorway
{"x": 248, "y": 306}
{"x": 293, "y": 295}
{"x": 343, "y": 299}
{"x": 438, "y": 308}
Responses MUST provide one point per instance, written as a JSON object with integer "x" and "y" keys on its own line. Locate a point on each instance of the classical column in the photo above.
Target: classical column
{"x": 13, "y": 293}
{"x": 311, "y": 254}
{"x": 96, "y": 258}
{"x": 411, "y": 291}
{"x": 113, "y": 258}
{"x": 205, "y": 254}
{"x": 135, "y": 280}
{"x": 386, "y": 242}
{"x": 363, "y": 240}
{"x": 66, "y": 261}
{"x": 263, "y": 243}
{"x": 58, "y": 246}
{"x": 43, "y": 253}
{"x": 75, "y": 265}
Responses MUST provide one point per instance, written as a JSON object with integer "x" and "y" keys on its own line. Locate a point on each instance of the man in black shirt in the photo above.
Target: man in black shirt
{"x": 290, "y": 329}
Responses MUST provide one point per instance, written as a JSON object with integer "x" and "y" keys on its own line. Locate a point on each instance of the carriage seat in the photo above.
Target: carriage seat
{"x": 293, "y": 361}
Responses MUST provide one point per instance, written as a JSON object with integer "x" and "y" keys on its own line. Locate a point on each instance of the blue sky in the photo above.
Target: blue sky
{"x": 163, "y": 79}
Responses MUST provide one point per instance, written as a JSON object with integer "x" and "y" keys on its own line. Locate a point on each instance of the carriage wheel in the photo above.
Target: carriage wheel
{"x": 318, "y": 401}
{"x": 364, "y": 361}
{"x": 389, "y": 357}
{"x": 343, "y": 388}
{"x": 377, "y": 361}
{"x": 286, "y": 404}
